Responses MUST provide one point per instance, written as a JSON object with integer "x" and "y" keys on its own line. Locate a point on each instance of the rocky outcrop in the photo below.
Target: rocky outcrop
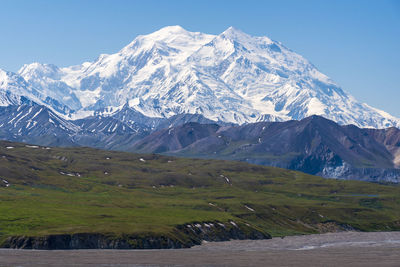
{"x": 217, "y": 231}
{"x": 183, "y": 236}
{"x": 90, "y": 241}
{"x": 346, "y": 171}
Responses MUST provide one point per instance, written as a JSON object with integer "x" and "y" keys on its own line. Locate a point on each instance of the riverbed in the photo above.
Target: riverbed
{"x": 332, "y": 249}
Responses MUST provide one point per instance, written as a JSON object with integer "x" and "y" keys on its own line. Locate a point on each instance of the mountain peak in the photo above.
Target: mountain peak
{"x": 38, "y": 69}
{"x": 232, "y": 29}
{"x": 174, "y": 37}
{"x": 233, "y": 77}
{"x": 3, "y": 72}
{"x": 234, "y": 33}
{"x": 169, "y": 30}
{"x": 173, "y": 28}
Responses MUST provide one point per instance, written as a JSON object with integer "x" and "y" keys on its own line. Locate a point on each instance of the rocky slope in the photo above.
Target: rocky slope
{"x": 313, "y": 145}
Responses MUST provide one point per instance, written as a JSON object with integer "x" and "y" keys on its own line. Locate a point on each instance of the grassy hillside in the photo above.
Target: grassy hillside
{"x": 83, "y": 190}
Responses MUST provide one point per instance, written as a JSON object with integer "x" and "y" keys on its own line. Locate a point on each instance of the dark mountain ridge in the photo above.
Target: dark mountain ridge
{"x": 313, "y": 145}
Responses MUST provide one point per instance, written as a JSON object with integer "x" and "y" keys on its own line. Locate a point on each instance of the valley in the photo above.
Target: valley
{"x": 52, "y": 197}
{"x": 199, "y": 133}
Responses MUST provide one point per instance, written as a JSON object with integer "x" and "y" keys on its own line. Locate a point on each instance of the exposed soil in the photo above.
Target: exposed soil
{"x": 186, "y": 236}
{"x": 333, "y": 249}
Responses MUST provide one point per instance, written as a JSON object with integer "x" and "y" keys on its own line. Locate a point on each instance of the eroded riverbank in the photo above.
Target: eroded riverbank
{"x": 333, "y": 249}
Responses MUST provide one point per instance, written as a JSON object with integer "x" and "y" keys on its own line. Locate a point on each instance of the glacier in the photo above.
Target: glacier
{"x": 232, "y": 77}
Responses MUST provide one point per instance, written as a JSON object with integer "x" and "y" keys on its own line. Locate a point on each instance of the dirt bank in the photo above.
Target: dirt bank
{"x": 334, "y": 249}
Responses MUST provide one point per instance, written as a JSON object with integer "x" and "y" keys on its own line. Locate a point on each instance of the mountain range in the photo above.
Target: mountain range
{"x": 227, "y": 96}
{"x": 313, "y": 145}
{"x": 231, "y": 77}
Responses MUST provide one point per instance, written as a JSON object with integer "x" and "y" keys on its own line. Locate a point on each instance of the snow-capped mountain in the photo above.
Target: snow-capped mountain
{"x": 46, "y": 79}
{"x": 33, "y": 123}
{"x": 14, "y": 90}
{"x": 230, "y": 77}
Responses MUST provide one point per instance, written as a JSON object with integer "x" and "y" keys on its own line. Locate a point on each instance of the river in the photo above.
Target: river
{"x": 332, "y": 249}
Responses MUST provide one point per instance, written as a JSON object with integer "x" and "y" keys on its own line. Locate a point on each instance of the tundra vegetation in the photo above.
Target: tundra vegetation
{"x": 53, "y": 191}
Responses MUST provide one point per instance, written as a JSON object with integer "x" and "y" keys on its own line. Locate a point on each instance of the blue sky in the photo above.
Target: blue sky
{"x": 356, "y": 43}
